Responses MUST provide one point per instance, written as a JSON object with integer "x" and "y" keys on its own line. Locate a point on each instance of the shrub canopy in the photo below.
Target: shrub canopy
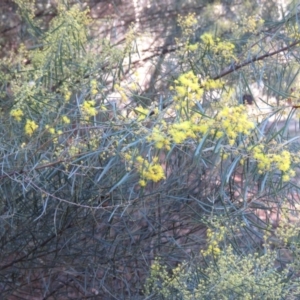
{"x": 184, "y": 187}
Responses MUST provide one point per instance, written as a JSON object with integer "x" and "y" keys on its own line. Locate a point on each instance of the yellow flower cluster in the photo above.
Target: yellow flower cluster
{"x": 210, "y": 84}
{"x": 157, "y": 272}
{"x": 94, "y": 90}
{"x": 67, "y": 95}
{"x": 187, "y": 90}
{"x": 51, "y": 130}
{"x": 178, "y": 132}
{"x": 169, "y": 281}
{"x": 213, "y": 240}
{"x": 149, "y": 170}
{"x": 229, "y": 273}
{"x": 263, "y": 159}
{"x": 30, "y": 127}
{"x": 143, "y": 112}
{"x": 27, "y": 6}
{"x": 88, "y": 108}
{"x": 65, "y": 91}
{"x": 182, "y": 131}
{"x": 208, "y": 39}
{"x": 224, "y": 49}
{"x": 74, "y": 15}
{"x": 160, "y": 139}
{"x": 232, "y": 121}
{"x": 252, "y": 24}
{"x": 133, "y": 86}
{"x": 283, "y": 160}
{"x": 130, "y": 37}
{"x": 187, "y": 23}
{"x": 65, "y": 120}
{"x": 230, "y": 276}
{"x": 55, "y": 133}
{"x": 248, "y": 275}
{"x": 201, "y": 124}
{"x": 294, "y": 32}
{"x": 17, "y": 114}
{"x": 287, "y": 231}
{"x": 192, "y": 47}
{"x": 268, "y": 161}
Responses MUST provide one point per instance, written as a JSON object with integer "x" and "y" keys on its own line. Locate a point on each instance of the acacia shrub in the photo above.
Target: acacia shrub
{"x": 93, "y": 192}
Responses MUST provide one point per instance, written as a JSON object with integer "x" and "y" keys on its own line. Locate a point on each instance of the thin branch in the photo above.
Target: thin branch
{"x": 234, "y": 67}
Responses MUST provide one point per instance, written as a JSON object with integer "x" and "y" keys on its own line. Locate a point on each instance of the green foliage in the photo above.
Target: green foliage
{"x": 88, "y": 178}
{"x": 224, "y": 272}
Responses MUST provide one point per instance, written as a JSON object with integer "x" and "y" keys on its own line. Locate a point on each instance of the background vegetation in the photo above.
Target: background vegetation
{"x": 149, "y": 150}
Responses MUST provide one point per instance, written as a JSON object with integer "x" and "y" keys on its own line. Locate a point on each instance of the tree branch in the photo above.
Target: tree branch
{"x": 234, "y": 67}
